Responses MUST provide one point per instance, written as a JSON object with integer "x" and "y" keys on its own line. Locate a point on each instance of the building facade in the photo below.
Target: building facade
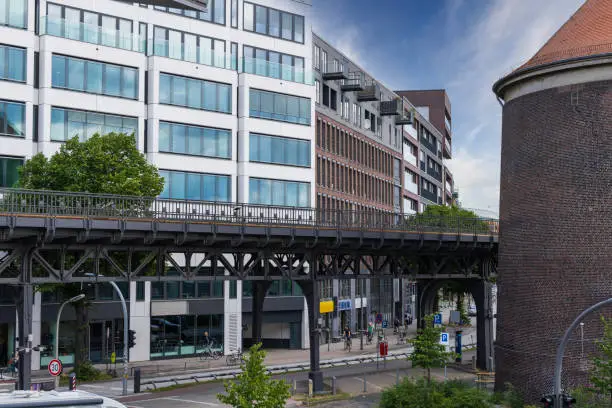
{"x": 375, "y": 152}
{"x": 221, "y": 101}
{"x": 560, "y": 265}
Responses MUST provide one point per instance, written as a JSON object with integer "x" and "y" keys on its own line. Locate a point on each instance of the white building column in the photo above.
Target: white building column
{"x": 140, "y": 322}
{"x": 232, "y": 316}
{"x": 36, "y": 327}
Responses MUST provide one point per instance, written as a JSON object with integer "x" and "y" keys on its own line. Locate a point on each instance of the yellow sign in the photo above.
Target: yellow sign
{"x": 326, "y": 306}
{"x": 113, "y": 357}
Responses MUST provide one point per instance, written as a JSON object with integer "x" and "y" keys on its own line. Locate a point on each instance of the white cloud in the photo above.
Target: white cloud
{"x": 502, "y": 37}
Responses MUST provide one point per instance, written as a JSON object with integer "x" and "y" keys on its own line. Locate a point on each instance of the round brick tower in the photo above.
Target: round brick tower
{"x": 555, "y": 254}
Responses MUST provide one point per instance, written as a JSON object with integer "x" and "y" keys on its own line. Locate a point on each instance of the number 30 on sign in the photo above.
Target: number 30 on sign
{"x": 55, "y": 367}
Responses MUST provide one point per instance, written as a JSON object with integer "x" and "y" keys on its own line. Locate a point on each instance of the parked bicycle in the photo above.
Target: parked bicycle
{"x": 210, "y": 354}
{"x": 235, "y": 358}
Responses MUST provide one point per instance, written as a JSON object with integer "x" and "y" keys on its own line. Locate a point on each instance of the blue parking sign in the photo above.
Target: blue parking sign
{"x": 444, "y": 339}
{"x": 438, "y": 318}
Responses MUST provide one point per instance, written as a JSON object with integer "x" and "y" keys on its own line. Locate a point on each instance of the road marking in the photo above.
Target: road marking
{"x": 210, "y": 404}
{"x": 360, "y": 379}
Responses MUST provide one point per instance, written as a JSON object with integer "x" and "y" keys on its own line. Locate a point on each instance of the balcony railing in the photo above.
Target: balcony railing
{"x": 411, "y": 159}
{"x": 92, "y": 34}
{"x": 447, "y": 148}
{"x": 38, "y": 203}
{"x": 191, "y": 53}
{"x": 412, "y": 187}
{"x": 277, "y": 70}
{"x": 392, "y": 108}
{"x": 429, "y": 195}
{"x": 333, "y": 71}
{"x": 370, "y": 92}
{"x": 353, "y": 83}
{"x": 411, "y": 131}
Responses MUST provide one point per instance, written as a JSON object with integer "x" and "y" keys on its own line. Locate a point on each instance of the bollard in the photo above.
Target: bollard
{"x": 72, "y": 382}
{"x": 474, "y": 367}
{"x": 334, "y": 385}
{"x": 310, "y": 388}
{"x": 365, "y": 384}
{"x": 137, "y": 381}
{"x": 294, "y": 386}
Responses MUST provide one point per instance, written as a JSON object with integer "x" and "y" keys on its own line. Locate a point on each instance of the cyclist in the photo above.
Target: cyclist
{"x": 206, "y": 340}
{"x": 347, "y": 336}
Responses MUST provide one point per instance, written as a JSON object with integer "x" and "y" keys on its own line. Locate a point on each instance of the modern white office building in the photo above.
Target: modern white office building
{"x": 221, "y": 101}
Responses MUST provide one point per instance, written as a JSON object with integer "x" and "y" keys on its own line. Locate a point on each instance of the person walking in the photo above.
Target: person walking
{"x": 370, "y": 332}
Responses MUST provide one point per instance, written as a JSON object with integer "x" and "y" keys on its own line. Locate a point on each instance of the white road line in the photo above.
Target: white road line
{"x": 210, "y": 404}
{"x": 360, "y": 379}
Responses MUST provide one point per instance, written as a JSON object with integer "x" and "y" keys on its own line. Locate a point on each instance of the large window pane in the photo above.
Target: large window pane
{"x": 193, "y": 186}
{"x": 225, "y": 143}
{"x": 278, "y": 192}
{"x": 299, "y": 29}
{"x": 16, "y": 63}
{"x": 209, "y": 186}
{"x": 58, "y": 128}
{"x": 76, "y": 124}
{"x": 164, "y": 137}
{"x": 112, "y": 82}
{"x": 14, "y": 13}
{"x": 248, "y": 17}
{"x": 190, "y": 48}
{"x": 225, "y": 98}
{"x": 179, "y": 91}
{"x": 129, "y": 88}
{"x": 209, "y": 147}
{"x": 261, "y": 19}
{"x": 287, "y": 19}
{"x": 219, "y": 11}
{"x": 223, "y": 189}
{"x": 177, "y": 185}
{"x": 194, "y": 140}
{"x": 274, "y": 26}
{"x": 9, "y": 171}
{"x": 219, "y": 53}
{"x": 109, "y": 31}
{"x": 90, "y": 27}
{"x": 206, "y": 51}
{"x": 58, "y": 76}
{"x": 164, "y": 88}
{"x": 160, "y": 43}
{"x": 194, "y": 94}
{"x": 175, "y": 46}
{"x": 179, "y": 140}
{"x": 14, "y": 118}
{"x": 94, "y": 77}
{"x": 72, "y": 23}
{"x": 95, "y": 124}
{"x": 210, "y": 96}
{"x": 125, "y": 34}
{"x": 280, "y": 107}
{"x": 76, "y": 74}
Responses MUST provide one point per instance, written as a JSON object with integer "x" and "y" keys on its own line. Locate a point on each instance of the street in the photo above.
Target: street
{"x": 350, "y": 379}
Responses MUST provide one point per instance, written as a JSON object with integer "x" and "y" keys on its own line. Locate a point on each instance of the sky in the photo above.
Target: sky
{"x": 463, "y": 46}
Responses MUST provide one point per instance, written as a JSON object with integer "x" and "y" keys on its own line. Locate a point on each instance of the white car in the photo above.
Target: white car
{"x": 67, "y": 399}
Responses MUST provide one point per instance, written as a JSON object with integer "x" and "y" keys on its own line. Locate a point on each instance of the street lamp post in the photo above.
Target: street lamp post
{"x": 125, "y": 333}
{"x": 57, "y": 325}
{"x": 582, "y": 339}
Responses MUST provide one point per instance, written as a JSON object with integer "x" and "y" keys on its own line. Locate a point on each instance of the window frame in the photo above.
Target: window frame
{"x": 202, "y": 82}
{"x": 281, "y": 13}
{"x": 7, "y": 64}
{"x": 219, "y": 177}
{"x": 3, "y": 104}
{"x": 85, "y": 112}
{"x": 281, "y": 139}
{"x": 202, "y": 138}
{"x": 197, "y": 16}
{"x": 274, "y": 94}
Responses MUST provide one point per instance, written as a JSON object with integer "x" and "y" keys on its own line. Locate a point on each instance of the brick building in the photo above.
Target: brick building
{"x": 554, "y": 254}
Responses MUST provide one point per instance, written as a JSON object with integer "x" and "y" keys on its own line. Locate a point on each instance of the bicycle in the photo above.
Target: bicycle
{"x": 369, "y": 338}
{"x": 234, "y": 358}
{"x": 347, "y": 344}
{"x": 209, "y": 353}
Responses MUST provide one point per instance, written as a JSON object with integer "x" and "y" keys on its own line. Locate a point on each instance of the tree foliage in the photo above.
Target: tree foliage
{"x": 109, "y": 164}
{"x": 253, "y": 388}
{"x": 428, "y": 352}
{"x": 423, "y": 394}
{"x": 601, "y": 377}
{"x": 449, "y": 218}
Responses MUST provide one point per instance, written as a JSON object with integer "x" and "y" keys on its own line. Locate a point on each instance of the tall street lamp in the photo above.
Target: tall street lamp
{"x": 125, "y": 332}
{"x": 57, "y": 325}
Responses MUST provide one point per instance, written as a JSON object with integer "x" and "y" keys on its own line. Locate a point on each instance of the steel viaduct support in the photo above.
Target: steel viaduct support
{"x": 481, "y": 290}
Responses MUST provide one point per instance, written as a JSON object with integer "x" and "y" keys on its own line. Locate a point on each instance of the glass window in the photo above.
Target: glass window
{"x": 58, "y": 76}
{"x": 76, "y": 74}
{"x": 287, "y": 33}
{"x": 129, "y": 87}
{"x": 234, "y": 55}
{"x": 279, "y": 150}
{"x": 278, "y": 192}
{"x": 274, "y": 27}
{"x": 67, "y": 123}
{"x": 12, "y": 119}
{"x": 109, "y": 31}
{"x": 248, "y": 17}
{"x": 160, "y": 46}
{"x": 234, "y": 13}
{"x": 112, "y": 80}
{"x": 173, "y": 91}
{"x": 90, "y": 27}
{"x": 94, "y": 77}
{"x": 190, "y": 47}
{"x": 164, "y": 136}
{"x": 195, "y": 186}
{"x": 72, "y": 20}
{"x": 179, "y": 140}
{"x": 13, "y": 13}
{"x": 165, "y": 87}
{"x": 299, "y": 29}
{"x": 125, "y": 34}
{"x": 206, "y": 51}
{"x": 9, "y": 171}
{"x": 219, "y": 53}
{"x": 261, "y": 19}
{"x": 219, "y": 11}
{"x": 281, "y": 107}
{"x": 175, "y": 45}
{"x": 12, "y": 63}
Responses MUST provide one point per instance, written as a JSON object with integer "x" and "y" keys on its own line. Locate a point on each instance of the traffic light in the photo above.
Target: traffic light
{"x": 131, "y": 338}
{"x": 548, "y": 401}
{"x": 568, "y": 400}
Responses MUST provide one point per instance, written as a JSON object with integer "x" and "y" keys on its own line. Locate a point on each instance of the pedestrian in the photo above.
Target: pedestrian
{"x": 396, "y": 325}
{"x": 370, "y": 331}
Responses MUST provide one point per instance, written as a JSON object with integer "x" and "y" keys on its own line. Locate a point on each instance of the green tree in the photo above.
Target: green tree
{"x": 109, "y": 164}
{"x": 428, "y": 352}
{"x": 450, "y": 218}
{"x": 601, "y": 377}
{"x": 253, "y": 388}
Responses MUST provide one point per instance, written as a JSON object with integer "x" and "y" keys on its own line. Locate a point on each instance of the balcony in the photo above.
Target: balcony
{"x": 369, "y": 93}
{"x": 277, "y": 70}
{"x": 353, "y": 82}
{"x": 333, "y": 72}
{"x": 435, "y": 174}
{"x": 406, "y": 118}
{"x": 429, "y": 196}
{"x": 93, "y": 34}
{"x": 410, "y": 158}
{"x": 411, "y": 131}
{"x": 412, "y": 187}
{"x": 191, "y": 53}
{"x": 449, "y": 188}
{"x": 392, "y": 108}
{"x": 447, "y": 149}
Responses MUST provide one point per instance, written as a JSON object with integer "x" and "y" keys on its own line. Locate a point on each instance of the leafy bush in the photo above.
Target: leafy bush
{"x": 588, "y": 397}
{"x": 450, "y": 394}
{"x": 87, "y": 372}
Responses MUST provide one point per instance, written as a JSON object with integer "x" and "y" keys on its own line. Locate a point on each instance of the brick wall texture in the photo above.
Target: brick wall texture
{"x": 555, "y": 255}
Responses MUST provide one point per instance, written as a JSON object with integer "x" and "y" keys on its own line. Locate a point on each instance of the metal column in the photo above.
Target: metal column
{"x": 24, "y": 312}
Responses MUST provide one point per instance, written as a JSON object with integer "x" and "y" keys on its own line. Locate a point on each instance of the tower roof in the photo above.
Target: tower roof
{"x": 588, "y": 32}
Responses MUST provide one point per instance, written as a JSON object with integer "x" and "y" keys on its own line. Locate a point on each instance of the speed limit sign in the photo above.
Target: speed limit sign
{"x": 55, "y": 367}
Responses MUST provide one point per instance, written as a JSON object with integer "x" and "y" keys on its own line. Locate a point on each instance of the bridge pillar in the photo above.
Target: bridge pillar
{"x": 260, "y": 288}
{"x": 24, "y": 313}
{"x": 315, "y": 374}
{"x": 482, "y": 292}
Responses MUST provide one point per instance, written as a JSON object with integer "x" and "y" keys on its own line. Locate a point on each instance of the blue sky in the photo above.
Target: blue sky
{"x": 463, "y": 46}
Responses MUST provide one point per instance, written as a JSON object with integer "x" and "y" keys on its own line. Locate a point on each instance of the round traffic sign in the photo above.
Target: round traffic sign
{"x": 55, "y": 367}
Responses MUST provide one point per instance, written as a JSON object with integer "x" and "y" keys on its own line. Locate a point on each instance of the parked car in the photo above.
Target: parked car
{"x": 67, "y": 399}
